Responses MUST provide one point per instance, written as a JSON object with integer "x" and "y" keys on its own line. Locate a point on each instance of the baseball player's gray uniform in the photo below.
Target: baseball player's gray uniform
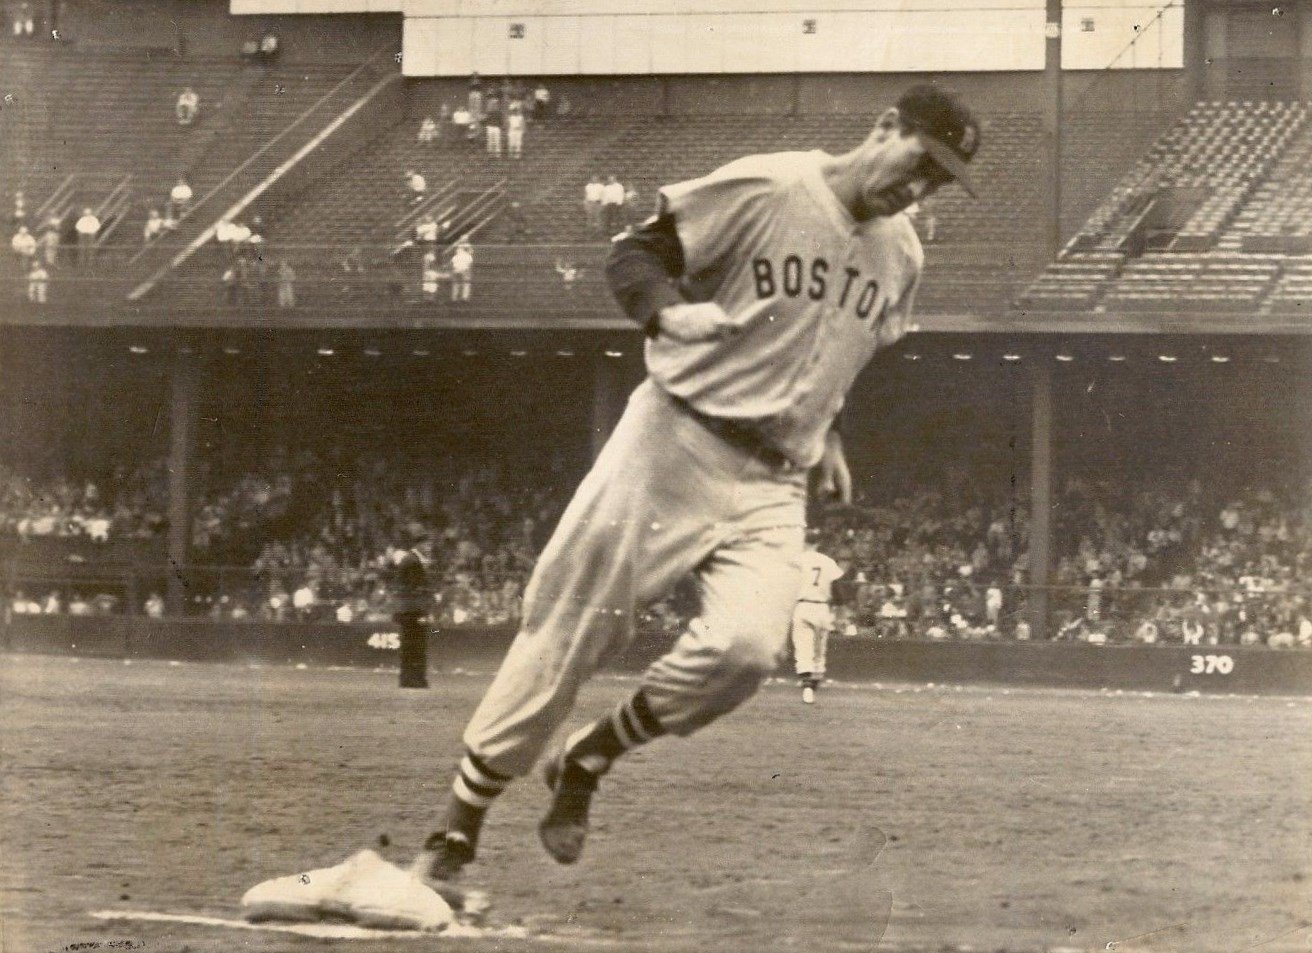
{"x": 814, "y": 294}
{"x": 706, "y": 472}
{"x": 813, "y": 618}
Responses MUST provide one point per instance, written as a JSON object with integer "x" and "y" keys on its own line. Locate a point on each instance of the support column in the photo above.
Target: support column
{"x": 1052, "y": 122}
{"x": 1040, "y": 498}
{"x": 1216, "y": 59}
{"x": 182, "y": 438}
{"x": 1304, "y": 52}
{"x": 607, "y": 399}
{"x": 1195, "y": 45}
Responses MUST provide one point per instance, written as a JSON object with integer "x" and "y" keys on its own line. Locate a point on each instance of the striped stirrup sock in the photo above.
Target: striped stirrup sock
{"x": 631, "y": 724}
{"x": 477, "y": 785}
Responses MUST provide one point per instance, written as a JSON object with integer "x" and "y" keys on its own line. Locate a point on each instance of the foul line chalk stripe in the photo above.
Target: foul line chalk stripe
{"x": 329, "y": 931}
{"x": 349, "y": 931}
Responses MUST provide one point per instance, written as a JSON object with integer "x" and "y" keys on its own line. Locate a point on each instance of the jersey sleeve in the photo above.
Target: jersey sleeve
{"x": 897, "y": 319}
{"x": 715, "y": 213}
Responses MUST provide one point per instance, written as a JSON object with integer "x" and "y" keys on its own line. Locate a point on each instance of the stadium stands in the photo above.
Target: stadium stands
{"x": 101, "y": 117}
{"x": 1075, "y": 282}
{"x": 363, "y": 204}
{"x": 93, "y": 122}
{"x": 1278, "y": 218}
{"x": 922, "y": 564}
{"x": 1200, "y": 282}
{"x": 1213, "y": 157}
{"x": 1181, "y": 229}
{"x": 1292, "y": 294}
{"x": 1212, "y": 219}
{"x": 666, "y": 149}
{"x": 1098, "y": 147}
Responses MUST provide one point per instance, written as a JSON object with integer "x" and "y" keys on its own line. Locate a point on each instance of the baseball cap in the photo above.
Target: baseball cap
{"x": 946, "y": 126}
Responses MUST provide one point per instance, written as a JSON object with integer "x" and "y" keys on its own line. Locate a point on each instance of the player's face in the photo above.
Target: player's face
{"x": 898, "y": 173}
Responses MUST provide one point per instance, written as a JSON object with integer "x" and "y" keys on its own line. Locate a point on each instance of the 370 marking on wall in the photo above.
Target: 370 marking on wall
{"x": 1211, "y": 665}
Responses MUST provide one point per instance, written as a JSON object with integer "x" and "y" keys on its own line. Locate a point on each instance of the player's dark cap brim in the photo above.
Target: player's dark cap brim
{"x": 947, "y": 128}
{"x": 951, "y": 163}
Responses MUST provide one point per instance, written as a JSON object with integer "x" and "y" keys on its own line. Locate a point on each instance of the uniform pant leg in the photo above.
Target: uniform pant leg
{"x": 748, "y": 588}
{"x": 804, "y": 639}
{"x": 648, "y": 512}
{"x": 824, "y": 627}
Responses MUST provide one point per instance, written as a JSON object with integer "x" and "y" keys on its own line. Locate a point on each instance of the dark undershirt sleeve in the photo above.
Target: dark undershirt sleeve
{"x": 642, "y": 268}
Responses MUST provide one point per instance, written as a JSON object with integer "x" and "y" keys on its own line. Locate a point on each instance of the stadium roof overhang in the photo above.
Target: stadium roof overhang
{"x": 1012, "y": 338}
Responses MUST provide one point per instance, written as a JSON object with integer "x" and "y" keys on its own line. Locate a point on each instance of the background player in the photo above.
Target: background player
{"x": 413, "y": 599}
{"x": 764, "y": 288}
{"x": 813, "y": 616}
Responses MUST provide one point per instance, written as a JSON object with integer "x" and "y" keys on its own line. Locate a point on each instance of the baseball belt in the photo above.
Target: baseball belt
{"x": 738, "y": 434}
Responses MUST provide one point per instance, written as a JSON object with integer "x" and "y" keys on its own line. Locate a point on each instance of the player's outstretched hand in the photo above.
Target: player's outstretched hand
{"x": 696, "y": 321}
{"x": 835, "y": 477}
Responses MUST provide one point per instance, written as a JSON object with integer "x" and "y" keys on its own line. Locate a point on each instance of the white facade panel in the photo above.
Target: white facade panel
{"x": 667, "y": 38}
{"x": 1122, "y": 35}
{"x": 256, "y": 7}
{"x": 490, "y": 53}
{"x": 763, "y": 43}
{"x": 562, "y": 45}
{"x": 637, "y": 37}
{"x": 432, "y": 46}
{"x": 832, "y": 41}
{"x": 614, "y": 45}
{"x": 587, "y": 8}
{"x": 524, "y": 50}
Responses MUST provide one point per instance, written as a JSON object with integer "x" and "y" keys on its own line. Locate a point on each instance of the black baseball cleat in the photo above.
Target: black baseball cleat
{"x": 565, "y": 827}
{"x": 445, "y": 853}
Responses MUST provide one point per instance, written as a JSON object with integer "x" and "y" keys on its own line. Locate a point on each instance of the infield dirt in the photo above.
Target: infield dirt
{"x": 1008, "y": 820}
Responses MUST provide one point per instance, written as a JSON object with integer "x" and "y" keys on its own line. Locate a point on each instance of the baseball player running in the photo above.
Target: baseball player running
{"x": 813, "y": 617}
{"x": 763, "y": 287}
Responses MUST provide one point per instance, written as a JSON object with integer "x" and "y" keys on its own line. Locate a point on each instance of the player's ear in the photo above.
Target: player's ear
{"x": 888, "y": 124}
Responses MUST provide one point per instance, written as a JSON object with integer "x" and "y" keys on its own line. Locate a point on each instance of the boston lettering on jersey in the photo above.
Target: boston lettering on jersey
{"x": 793, "y": 278}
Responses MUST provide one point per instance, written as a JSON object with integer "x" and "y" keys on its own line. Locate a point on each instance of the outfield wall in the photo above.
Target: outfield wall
{"x": 1223, "y": 669}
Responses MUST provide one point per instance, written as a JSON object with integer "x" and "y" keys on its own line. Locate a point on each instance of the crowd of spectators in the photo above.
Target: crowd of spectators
{"x": 249, "y": 273}
{"x": 481, "y": 530}
{"x": 1133, "y": 564}
{"x": 494, "y": 115}
{"x": 608, "y": 204}
{"x": 125, "y": 505}
{"x": 37, "y": 248}
{"x": 313, "y": 539}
